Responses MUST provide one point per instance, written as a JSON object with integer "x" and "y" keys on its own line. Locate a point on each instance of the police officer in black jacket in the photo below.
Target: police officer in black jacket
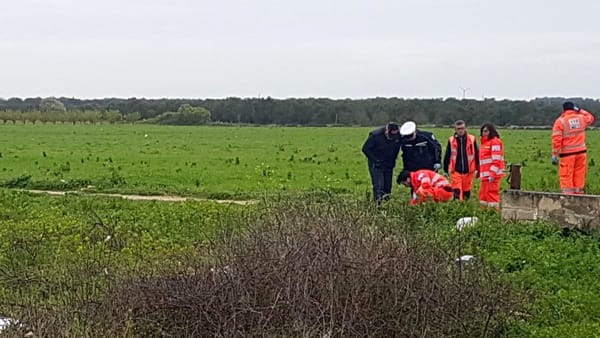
{"x": 420, "y": 149}
{"x": 381, "y": 149}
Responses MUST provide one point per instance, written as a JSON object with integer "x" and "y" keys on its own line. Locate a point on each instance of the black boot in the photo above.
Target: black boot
{"x": 466, "y": 195}
{"x": 456, "y": 194}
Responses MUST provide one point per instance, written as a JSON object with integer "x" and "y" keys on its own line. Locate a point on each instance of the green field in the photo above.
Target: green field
{"x": 57, "y": 253}
{"x": 221, "y": 162}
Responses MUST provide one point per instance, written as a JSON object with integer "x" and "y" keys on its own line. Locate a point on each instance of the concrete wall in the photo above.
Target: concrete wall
{"x": 582, "y": 211}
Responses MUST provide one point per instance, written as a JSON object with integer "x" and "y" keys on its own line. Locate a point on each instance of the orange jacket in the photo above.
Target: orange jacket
{"x": 491, "y": 158}
{"x": 470, "y": 153}
{"x": 568, "y": 133}
{"x": 423, "y": 183}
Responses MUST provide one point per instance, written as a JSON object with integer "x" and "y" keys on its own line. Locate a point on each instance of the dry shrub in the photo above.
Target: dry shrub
{"x": 313, "y": 270}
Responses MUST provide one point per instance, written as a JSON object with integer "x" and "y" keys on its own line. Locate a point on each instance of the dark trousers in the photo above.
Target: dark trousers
{"x": 381, "y": 178}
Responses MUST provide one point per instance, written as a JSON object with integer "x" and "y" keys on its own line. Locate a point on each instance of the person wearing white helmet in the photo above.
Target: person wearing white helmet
{"x": 381, "y": 149}
{"x": 420, "y": 149}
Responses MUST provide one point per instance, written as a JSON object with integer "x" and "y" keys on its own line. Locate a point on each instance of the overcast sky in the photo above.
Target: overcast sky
{"x": 308, "y": 48}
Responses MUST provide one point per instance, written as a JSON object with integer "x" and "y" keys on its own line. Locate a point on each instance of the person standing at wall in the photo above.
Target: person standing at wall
{"x": 461, "y": 161}
{"x": 568, "y": 144}
{"x": 491, "y": 162}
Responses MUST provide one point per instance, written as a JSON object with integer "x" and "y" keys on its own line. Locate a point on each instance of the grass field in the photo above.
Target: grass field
{"x": 226, "y": 161}
{"x": 57, "y": 253}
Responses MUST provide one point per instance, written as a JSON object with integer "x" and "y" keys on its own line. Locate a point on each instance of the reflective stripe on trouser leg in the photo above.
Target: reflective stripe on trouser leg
{"x": 566, "y": 171}
{"x": 483, "y": 193}
{"x": 580, "y": 173}
{"x": 491, "y": 193}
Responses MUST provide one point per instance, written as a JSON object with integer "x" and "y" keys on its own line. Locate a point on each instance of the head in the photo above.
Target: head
{"x": 404, "y": 178}
{"x": 392, "y": 131}
{"x": 460, "y": 128}
{"x": 570, "y": 106}
{"x": 408, "y": 130}
{"x": 489, "y": 130}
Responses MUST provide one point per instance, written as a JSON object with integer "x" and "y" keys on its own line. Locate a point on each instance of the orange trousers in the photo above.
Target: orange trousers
{"x": 461, "y": 183}
{"x": 572, "y": 172}
{"x": 489, "y": 193}
{"x": 442, "y": 194}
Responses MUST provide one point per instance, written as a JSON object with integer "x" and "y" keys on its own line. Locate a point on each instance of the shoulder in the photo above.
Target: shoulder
{"x": 426, "y": 134}
{"x": 378, "y": 131}
{"x": 496, "y": 143}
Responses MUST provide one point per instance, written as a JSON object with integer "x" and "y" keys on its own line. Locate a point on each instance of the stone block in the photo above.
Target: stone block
{"x": 572, "y": 211}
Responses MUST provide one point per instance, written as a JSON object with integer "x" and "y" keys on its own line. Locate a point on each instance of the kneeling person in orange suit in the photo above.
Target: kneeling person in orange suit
{"x": 427, "y": 185}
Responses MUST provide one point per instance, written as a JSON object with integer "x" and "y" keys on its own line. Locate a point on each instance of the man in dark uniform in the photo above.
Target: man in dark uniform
{"x": 420, "y": 149}
{"x": 381, "y": 149}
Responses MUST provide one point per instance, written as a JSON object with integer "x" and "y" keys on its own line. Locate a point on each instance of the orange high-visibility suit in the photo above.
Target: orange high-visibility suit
{"x": 568, "y": 143}
{"x": 461, "y": 163}
{"x": 491, "y": 164}
{"x": 429, "y": 185}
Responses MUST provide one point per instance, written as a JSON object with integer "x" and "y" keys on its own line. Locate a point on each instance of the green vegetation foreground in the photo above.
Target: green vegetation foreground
{"x": 77, "y": 266}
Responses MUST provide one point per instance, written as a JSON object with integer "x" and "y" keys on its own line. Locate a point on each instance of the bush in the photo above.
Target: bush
{"x": 185, "y": 115}
{"x": 316, "y": 270}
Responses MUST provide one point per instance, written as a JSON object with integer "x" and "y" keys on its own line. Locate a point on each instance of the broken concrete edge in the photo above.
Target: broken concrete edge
{"x": 546, "y": 193}
{"x": 580, "y": 212}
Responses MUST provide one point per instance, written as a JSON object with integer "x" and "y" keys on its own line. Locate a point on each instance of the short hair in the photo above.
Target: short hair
{"x": 393, "y": 126}
{"x": 570, "y": 106}
{"x": 404, "y": 175}
{"x": 459, "y": 122}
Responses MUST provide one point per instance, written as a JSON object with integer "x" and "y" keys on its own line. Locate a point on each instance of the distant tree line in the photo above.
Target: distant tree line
{"x": 306, "y": 111}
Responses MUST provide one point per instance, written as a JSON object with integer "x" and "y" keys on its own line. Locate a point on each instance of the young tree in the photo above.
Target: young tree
{"x": 52, "y": 105}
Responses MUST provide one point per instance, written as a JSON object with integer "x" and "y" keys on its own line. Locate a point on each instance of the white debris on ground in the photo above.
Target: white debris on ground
{"x": 226, "y": 270}
{"x": 465, "y": 222}
{"x": 5, "y": 323}
{"x": 464, "y": 258}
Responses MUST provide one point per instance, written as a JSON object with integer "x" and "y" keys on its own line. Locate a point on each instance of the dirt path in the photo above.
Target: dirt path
{"x": 162, "y": 198}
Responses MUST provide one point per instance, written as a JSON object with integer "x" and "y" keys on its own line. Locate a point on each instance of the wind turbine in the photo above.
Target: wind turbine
{"x": 464, "y": 91}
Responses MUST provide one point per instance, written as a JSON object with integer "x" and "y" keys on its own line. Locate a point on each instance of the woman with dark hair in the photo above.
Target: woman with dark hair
{"x": 491, "y": 166}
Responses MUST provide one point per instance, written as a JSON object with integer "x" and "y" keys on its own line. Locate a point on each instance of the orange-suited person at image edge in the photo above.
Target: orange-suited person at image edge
{"x": 568, "y": 144}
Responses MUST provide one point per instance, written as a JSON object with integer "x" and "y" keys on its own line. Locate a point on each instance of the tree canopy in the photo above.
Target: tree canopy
{"x": 314, "y": 111}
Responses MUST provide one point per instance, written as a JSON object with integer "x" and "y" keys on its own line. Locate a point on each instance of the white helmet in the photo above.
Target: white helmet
{"x": 408, "y": 128}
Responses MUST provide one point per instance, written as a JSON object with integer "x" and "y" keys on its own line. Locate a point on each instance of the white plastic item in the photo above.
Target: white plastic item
{"x": 464, "y": 258}
{"x": 465, "y": 222}
{"x": 5, "y": 323}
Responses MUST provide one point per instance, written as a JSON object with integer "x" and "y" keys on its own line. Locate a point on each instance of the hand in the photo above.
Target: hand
{"x": 491, "y": 179}
{"x": 554, "y": 160}
{"x": 437, "y": 166}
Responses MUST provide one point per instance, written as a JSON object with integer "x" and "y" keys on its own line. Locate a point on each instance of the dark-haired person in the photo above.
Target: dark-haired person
{"x": 461, "y": 161}
{"x": 568, "y": 143}
{"x": 426, "y": 185}
{"x": 491, "y": 164}
{"x": 381, "y": 149}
